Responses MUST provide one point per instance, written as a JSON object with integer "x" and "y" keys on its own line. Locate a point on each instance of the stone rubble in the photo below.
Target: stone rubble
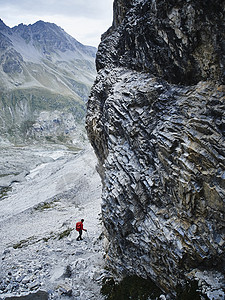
{"x": 39, "y": 254}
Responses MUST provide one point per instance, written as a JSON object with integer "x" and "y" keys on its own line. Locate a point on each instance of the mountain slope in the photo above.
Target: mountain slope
{"x": 42, "y": 68}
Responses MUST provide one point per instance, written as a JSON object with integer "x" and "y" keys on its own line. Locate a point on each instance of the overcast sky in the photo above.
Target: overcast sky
{"x": 85, "y": 20}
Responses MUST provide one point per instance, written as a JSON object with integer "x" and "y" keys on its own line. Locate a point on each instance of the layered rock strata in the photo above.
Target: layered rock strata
{"x": 156, "y": 121}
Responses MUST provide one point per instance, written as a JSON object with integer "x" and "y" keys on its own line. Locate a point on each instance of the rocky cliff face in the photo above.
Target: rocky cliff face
{"x": 43, "y": 72}
{"x": 156, "y": 122}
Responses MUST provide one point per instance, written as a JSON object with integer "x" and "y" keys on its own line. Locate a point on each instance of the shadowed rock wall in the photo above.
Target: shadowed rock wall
{"x": 156, "y": 122}
{"x": 180, "y": 41}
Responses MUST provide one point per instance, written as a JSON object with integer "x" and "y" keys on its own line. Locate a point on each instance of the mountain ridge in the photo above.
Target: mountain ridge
{"x": 41, "y": 58}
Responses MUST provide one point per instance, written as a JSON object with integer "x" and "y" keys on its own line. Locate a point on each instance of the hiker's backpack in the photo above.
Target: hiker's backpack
{"x": 78, "y": 226}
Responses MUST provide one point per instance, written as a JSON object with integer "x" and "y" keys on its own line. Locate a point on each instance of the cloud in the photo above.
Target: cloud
{"x": 85, "y": 20}
{"x": 85, "y": 8}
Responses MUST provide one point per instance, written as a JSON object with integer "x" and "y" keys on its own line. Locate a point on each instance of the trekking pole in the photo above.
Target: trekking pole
{"x": 88, "y": 236}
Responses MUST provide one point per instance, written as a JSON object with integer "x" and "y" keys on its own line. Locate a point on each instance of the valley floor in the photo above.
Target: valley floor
{"x": 38, "y": 249}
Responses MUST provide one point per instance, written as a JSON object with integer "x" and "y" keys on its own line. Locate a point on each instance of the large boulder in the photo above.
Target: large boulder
{"x": 156, "y": 121}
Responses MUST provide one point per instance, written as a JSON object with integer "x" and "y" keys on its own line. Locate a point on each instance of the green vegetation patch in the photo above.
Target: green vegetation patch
{"x": 4, "y": 175}
{"x": 21, "y": 244}
{"x": 33, "y": 240}
{"x": 73, "y": 148}
{"x": 46, "y": 205}
{"x": 65, "y": 233}
{"x": 51, "y": 236}
{"x": 4, "y": 191}
{"x": 59, "y": 236}
{"x": 20, "y": 108}
{"x": 25, "y": 243}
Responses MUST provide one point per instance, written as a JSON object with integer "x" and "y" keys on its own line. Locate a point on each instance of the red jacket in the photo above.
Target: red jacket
{"x": 79, "y": 226}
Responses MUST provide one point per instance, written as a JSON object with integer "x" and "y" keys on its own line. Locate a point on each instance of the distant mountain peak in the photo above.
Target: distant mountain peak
{"x": 1, "y": 22}
{"x": 40, "y": 41}
{"x": 50, "y": 38}
{"x": 43, "y": 68}
{"x": 3, "y": 26}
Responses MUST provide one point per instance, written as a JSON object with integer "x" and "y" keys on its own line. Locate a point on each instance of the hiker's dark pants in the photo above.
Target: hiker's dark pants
{"x": 80, "y": 235}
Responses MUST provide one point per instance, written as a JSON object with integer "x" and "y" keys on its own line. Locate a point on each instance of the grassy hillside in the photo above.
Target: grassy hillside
{"x": 21, "y": 111}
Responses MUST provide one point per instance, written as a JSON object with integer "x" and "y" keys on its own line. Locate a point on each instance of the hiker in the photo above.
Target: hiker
{"x": 79, "y": 227}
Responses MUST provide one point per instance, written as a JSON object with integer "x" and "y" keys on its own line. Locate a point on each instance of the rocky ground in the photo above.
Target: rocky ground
{"x": 53, "y": 189}
{"x": 44, "y": 192}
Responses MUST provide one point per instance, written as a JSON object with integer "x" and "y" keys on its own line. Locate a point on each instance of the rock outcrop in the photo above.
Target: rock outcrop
{"x": 156, "y": 121}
